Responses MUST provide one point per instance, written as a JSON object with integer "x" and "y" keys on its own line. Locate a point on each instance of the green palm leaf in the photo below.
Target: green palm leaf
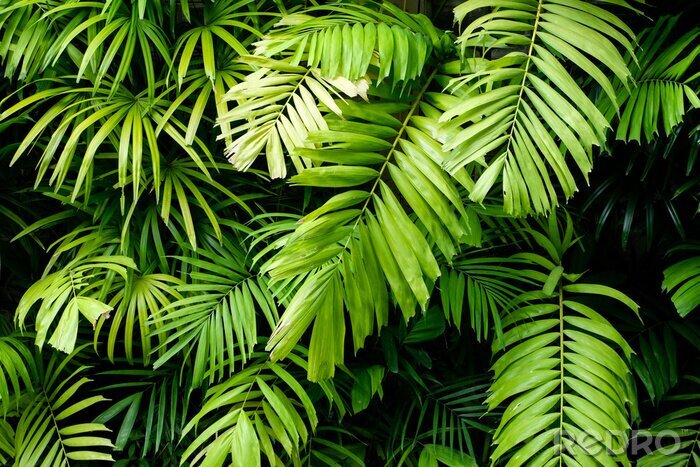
{"x": 523, "y": 113}
{"x": 563, "y": 372}
{"x": 443, "y": 419}
{"x": 260, "y": 410}
{"x": 50, "y": 430}
{"x": 159, "y": 395}
{"x": 76, "y": 288}
{"x": 486, "y": 285}
{"x": 676, "y": 434}
{"x": 216, "y": 319}
{"x": 352, "y": 40}
{"x": 665, "y": 84}
{"x": 363, "y": 238}
{"x": 129, "y": 124}
{"x": 682, "y": 280}
{"x": 18, "y": 373}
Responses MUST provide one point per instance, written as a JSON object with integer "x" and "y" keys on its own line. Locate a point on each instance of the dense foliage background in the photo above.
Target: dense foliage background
{"x": 349, "y": 233}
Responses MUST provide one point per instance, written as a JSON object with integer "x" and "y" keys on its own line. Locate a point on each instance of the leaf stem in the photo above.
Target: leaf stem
{"x": 525, "y": 73}
{"x": 561, "y": 372}
{"x": 400, "y": 133}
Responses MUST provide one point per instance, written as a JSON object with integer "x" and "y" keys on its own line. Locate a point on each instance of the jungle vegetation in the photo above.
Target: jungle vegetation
{"x": 275, "y": 232}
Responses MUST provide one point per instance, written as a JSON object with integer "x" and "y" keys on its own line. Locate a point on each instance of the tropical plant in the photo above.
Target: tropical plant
{"x": 238, "y": 232}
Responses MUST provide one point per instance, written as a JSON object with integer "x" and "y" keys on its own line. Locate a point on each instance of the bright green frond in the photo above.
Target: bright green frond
{"x": 520, "y": 112}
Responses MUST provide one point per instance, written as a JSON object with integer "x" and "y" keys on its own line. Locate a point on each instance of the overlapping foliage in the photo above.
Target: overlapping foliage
{"x": 285, "y": 233}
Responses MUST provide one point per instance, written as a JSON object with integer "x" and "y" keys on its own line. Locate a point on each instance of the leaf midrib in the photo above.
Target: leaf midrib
{"x": 525, "y": 74}
{"x": 397, "y": 139}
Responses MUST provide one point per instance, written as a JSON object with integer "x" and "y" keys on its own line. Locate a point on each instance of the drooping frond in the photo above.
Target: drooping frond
{"x": 137, "y": 299}
{"x": 353, "y": 40}
{"x": 656, "y": 359}
{"x": 363, "y": 238}
{"x": 277, "y": 107}
{"x": 676, "y": 435}
{"x": 18, "y": 373}
{"x": 682, "y": 280}
{"x": 518, "y": 109}
{"x": 562, "y": 372}
{"x": 442, "y": 420}
{"x": 162, "y": 395}
{"x": 221, "y": 24}
{"x": 486, "y": 285}
{"x": 666, "y": 84}
{"x": 75, "y": 288}
{"x": 130, "y": 127}
{"x": 111, "y": 31}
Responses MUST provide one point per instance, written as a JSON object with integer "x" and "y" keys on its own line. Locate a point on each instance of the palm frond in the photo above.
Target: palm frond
{"x": 676, "y": 434}
{"x": 521, "y": 113}
{"x": 277, "y": 108}
{"x": 435, "y": 455}
{"x": 665, "y": 89}
{"x": 27, "y": 39}
{"x": 111, "y": 31}
{"x": 259, "y": 410}
{"x": 682, "y": 279}
{"x": 363, "y": 238}
{"x": 161, "y": 395}
{"x": 216, "y": 319}
{"x": 352, "y": 40}
{"x": 656, "y": 360}
{"x": 53, "y": 429}
{"x": 232, "y": 24}
{"x": 75, "y": 288}
{"x": 308, "y": 57}
{"x": 486, "y": 285}
{"x": 440, "y": 421}
{"x": 131, "y": 122}
{"x": 18, "y": 373}
{"x": 333, "y": 446}
{"x": 563, "y": 370}
{"x": 137, "y": 300}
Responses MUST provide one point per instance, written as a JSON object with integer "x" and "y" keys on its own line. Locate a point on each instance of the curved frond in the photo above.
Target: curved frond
{"x": 518, "y": 109}
{"x": 260, "y": 410}
{"x": 232, "y": 24}
{"x": 53, "y": 428}
{"x": 306, "y": 59}
{"x": 675, "y": 435}
{"x": 140, "y": 298}
{"x": 682, "y": 280}
{"x": 363, "y": 237}
{"x": 18, "y": 374}
{"x": 73, "y": 289}
{"x": 442, "y": 420}
{"x": 666, "y": 84}
{"x": 129, "y": 127}
{"x": 277, "y": 108}
{"x": 215, "y": 321}
{"x": 353, "y": 40}
{"x": 486, "y": 285}
{"x": 160, "y": 395}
